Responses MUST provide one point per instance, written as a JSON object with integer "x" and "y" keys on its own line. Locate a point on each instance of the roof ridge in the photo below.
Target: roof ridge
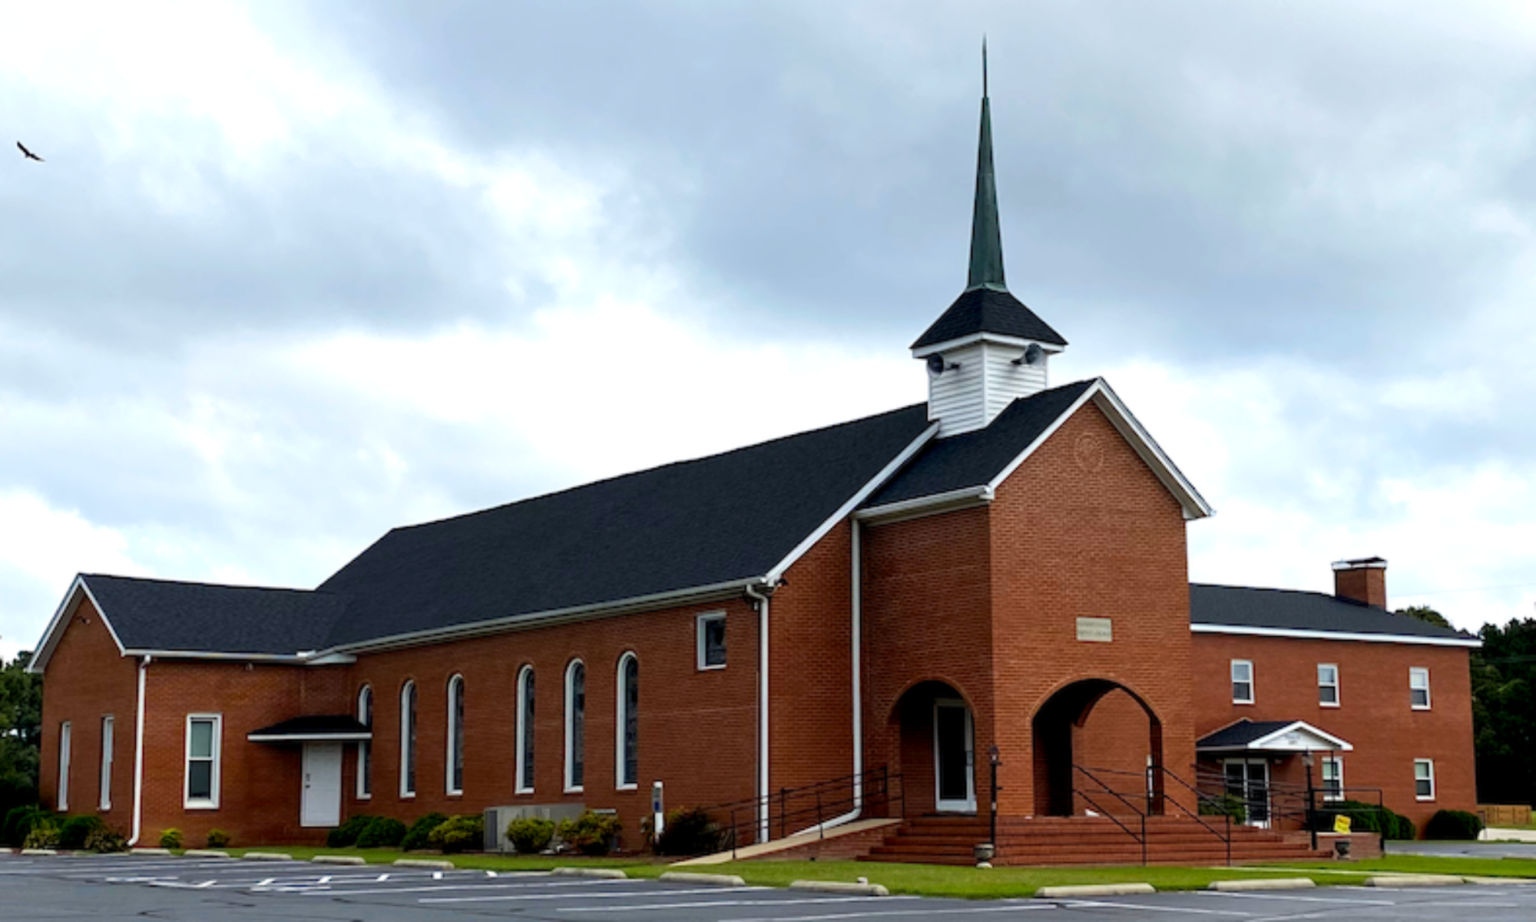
{"x": 206, "y": 585}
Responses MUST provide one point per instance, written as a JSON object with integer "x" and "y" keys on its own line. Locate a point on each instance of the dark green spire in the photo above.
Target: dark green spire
{"x": 986, "y": 235}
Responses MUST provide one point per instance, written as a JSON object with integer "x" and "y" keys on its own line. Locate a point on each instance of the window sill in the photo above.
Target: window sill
{"x": 1425, "y": 800}
{"x": 365, "y": 797}
{"x": 1244, "y": 703}
{"x": 523, "y": 791}
{"x": 1325, "y": 704}
{"x": 454, "y": 795}
{"x": 1419, "y": 707}
{"x": 712, "y": 668}
{"x": 410, "y": 796}
{"x": 199, "y": 805}
{"x": 627, "y": 787}
{"x": 575, "y": 790}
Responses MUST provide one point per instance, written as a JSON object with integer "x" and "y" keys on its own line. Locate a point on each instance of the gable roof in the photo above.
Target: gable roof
{"x": 1271, "y": 736}
{"x": 1293, "y": 613}
{"x": 988, "y": 310}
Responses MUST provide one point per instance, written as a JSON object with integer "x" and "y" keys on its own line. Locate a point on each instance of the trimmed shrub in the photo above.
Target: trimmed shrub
{"x": 530, "y": 835}
{"x": 44, "y": 834}
{"x": 76, "y": 829}
{"x": 1368, "y": 818}
{"x": 170, "y": 838}
{"x": 1225, "y": 805}
{"x": 105, "y": 840}
{"x": 458, "y": 834}
{"x": 591, "y": 833}
{"x": 217, "y": 838}
{"x": 345, "y": 835}
{"x": 383, "y": 832}
{"x": 416, "y": 838}
{"x": 1453, "y": 824}
{"x": 18, "y": 822}
{"x": 689, "y": 832}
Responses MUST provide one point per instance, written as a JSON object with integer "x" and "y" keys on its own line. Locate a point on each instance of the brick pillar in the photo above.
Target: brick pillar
{"x": 1362, "y": 580}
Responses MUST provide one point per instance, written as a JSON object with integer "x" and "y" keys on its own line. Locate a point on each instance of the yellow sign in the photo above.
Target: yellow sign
{"x": 1341, "y": 825}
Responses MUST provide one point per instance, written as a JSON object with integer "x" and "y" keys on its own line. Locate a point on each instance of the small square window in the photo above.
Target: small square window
{"x": 711, "y": 641}
{"x": 1242, "y": 681}
{"x": 1418, "y": 688}
{"x": 1424, "y": 779}
{"x": 1328, "y": 685}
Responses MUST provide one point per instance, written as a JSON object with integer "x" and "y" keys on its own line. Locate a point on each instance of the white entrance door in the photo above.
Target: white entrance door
{"x": 320, "y": 804}
{"x": 953, "y": 757}
{"x": 1248, "y": 780}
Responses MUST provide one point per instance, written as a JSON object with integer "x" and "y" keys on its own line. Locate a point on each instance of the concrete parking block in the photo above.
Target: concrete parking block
{"x": 39, "y": 852}
{"x": 839, "y": 886}
{"x": 1078, "y": 891}
{"x": 599, "y": 873}
{"x": 688, "y": 877}
{"x": 1414, "y": 880}
{"x": 204, "y": 853}
{"x": 338, "y": 859}
{"x": 265, "y": 856}
{"x": 434, "y": 864}
{"x": 151, "y": 852}
{"x": 1267, "y": 883}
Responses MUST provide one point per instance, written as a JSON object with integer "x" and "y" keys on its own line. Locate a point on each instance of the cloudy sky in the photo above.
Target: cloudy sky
{"x": 293, "y": 274}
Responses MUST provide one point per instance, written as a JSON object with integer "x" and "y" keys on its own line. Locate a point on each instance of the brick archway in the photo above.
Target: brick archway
{"x": 1058, "y": 727}
{"x": 934, "y": 725}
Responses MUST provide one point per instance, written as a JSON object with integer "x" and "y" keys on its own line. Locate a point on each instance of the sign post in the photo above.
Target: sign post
{"x": 658, "y": 810}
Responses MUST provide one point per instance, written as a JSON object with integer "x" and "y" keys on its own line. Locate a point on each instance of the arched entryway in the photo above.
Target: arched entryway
{"x": 937, "y": 733}
{"x": 1112, "y": 726}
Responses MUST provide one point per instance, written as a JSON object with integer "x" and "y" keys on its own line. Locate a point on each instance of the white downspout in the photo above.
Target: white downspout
{"x": 762, "y": 720}
{"x": 138, "y": 757}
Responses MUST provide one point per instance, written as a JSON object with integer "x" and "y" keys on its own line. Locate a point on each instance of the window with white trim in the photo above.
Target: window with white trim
{"x": 201, "y": 789}
{"x": 525, "y": 713}
{"x": 711, "y": 640}
{"x": 455, "y": 772}
{"x": 1328, "y": 685}
{"x": 1418, "y": 688}
{"x": 1242, "y": 681}
{"x": 1333, "y": 778}
{"x": 627, "y": 726}
{"x": 365, "y": 747}
{"x": 104, "y": 800}
{"x": 408, "y": 740}
{"x": 1424, "y": 779}
{"x": 575, "y": 725}
{"x": 64, "y": 741}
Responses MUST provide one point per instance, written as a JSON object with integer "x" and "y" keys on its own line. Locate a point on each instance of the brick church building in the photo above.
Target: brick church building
{"x": 882, "y": 608}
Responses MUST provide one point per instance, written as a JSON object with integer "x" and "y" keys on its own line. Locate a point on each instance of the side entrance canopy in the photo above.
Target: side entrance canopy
{"x": 1283, "y": 736}
{"x": 319, "y": 728}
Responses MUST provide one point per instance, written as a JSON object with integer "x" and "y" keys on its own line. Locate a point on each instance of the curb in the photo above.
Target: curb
{"x": 1414, "y": 880}
{"x": 424, "y": 863}
{"x": 1275, "y": 883}
{"x": 265, "y": 856}
{"x": 600, "y": 873}
{"x": 1081, "y": 890}
{"x": 39, "y": 852}
{"x": 150, "y": 852}
{"x": 338, "y": 859}
{"x": 838, "y": 886}
{"x": 204, "y": 853}
{"x": 686, "y": 877}
{"x": 1500, "y": 881}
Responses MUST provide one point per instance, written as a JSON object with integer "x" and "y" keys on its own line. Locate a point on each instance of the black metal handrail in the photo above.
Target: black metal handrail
{"x": 1140, "y": 839}
{"x": 1157, "y": 798}
{"x": 809, "y": 806}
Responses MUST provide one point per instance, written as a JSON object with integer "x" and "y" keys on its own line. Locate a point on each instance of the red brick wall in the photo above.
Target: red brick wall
{"x": 100, "y": 682}
{"x": 1373, "y": 714}
{"x": 1114, "y": 743}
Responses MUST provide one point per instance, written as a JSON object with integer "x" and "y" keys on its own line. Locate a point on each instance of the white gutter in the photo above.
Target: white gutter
{"x": 138, "y": 757}
{"x": 762, "y": 719}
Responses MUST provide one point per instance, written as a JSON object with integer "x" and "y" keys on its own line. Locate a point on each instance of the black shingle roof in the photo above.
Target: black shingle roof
{"x": 732, "y": 516}
{"x": 986, "y": 310}
{"x": 1290, "y": 609}
{"x": 152, "y": 614}
{"x": 315, "y": 725}
{"x": 974, "y": 458}
{"x": 1240, "y": 734}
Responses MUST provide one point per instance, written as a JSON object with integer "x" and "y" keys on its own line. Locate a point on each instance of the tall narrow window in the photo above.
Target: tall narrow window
{"x": 525, "y": 730}
{"x": 1418, "y": 688}
{"x": 456, "y": 735}
{"x": 1333, "y": 778}
{"x": 104, "y": 802}
{"x": 1328, "y": 685}
{"x": 575, "y": 725}
{"x": 202, "y": 781}
{"x": 364, "y": 747}
{"x": 1424, "y": 779}
{"x": 1242, "y": 681}
{"x": 408, "y": 740}
{"x": 64, "y": 735}
{"x": 627, "y": 724}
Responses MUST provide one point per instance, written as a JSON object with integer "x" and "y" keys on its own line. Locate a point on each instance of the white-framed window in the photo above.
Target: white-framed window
{"x": 525, "y": 712}
{"x": 1333, "y": 778}
{"x": 626, "y": 743}
{"x": 575, "y": 725}
{"x": 1424, "y": 779}
{"x": 1328, "y": 684}
{"x": 64, "y": 746}
{"x": 711, "y": 640}
{"x": 201, "y": 789}
{"x": 1418, "y": 688}
{"x": 1242, "y": 681}
{"x": 104, "y": 801}
{"x": 408, "y": 740}
{"x": 365, "y": 747}
{"x": 455, "y": 761}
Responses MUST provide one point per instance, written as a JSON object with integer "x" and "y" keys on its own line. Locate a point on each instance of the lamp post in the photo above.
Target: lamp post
{"x": 1306, "y": 759}
{"x": 985, "y": 853}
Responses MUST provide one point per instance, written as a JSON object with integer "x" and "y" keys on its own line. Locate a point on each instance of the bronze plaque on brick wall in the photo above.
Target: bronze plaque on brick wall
{"x": 1095, "y": 630}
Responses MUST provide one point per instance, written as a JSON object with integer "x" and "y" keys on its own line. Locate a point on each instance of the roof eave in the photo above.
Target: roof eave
{"x": 55, "y": 630}
{"x": 1307, "y": 634}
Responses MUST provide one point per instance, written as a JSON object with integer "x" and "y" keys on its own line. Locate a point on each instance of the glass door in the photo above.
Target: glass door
{"x": 953, "y": 757}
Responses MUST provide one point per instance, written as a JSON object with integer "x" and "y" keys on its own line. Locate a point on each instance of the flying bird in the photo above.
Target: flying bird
{"x": 28, "y": 154}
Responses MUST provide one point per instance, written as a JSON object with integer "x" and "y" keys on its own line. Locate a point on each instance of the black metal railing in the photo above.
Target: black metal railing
{"x": 1091, "y": 778}
{"x": 1295, "y": 806}
{"x": 806, "y": 809}
{"x": 1151, "y": 797}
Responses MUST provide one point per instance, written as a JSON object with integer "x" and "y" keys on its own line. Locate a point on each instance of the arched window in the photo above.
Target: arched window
{"x": 455, "y": 771}
{"x": 408, "y": 740}
{"x": 575, "y": 724}
{"x": 525, "y": 730}
{"x": 365, "y": 748}
{"x": 626, "y": 745}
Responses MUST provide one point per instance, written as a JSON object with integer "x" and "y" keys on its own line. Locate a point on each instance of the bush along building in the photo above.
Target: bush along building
{"x": 870, "y": 621}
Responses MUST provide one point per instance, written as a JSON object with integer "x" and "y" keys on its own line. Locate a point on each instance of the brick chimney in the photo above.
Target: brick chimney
{"x": 1363, "y": 580}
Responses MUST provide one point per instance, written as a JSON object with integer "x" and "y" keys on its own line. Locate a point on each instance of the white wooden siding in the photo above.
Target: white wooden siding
{"x": 971, "y": 396}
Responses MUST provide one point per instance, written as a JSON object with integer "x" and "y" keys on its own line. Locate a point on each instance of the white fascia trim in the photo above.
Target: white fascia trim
{"x": 309, "y": 737}
{"x": 1195, "y": 506}
{"x": 973, "y": 338}
{"x": 1332, "y": 635}
{"x": 1050, "y": 430}
{"x": 55, "y": 629}
{"x": 962, "y": 498}
{"x": 1338, "y": 744}
{"x": 886, "y": 473}
{"x": 287, "y": 658}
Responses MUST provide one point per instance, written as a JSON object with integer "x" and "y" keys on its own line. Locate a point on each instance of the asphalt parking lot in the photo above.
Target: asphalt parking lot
{"x": 112, "y": 887}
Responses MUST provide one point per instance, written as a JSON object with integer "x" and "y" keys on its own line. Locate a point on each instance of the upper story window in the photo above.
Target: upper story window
{"x": 1333, "y": 778}
{"x": 1424, "y": 779}
{"x": 525, "y": 730}
{"x": 627, "y": 730}
{"x": 1418, "y": 688}
{"x": 455, "y": 772}
{"x": 364, "y": 747}
{"x": 1328, "y": 685}
{"x": 408, "y": 740}
{"x": 711, "y": 640}
{"x": 202, "y": 774}
{"x": 575, "y": 725}
{"x": 1242, "y": 681}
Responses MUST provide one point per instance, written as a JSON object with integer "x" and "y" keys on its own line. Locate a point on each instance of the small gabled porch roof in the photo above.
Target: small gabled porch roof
{"x": 323, "y": 728}
{"x": 1279, "y": 736}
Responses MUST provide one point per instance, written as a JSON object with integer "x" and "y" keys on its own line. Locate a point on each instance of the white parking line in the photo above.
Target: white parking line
{"x": 1097, "y": 904}
{"x": 1299, "y": 899}
{"x": 563, "y": 896}
{"x": 925, "y": 913}
{"x": 332, "y": 891}
{"x": 716, "y": 904}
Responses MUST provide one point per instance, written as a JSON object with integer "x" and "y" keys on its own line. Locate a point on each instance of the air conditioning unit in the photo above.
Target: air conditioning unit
{"x": 498, "y": 818}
